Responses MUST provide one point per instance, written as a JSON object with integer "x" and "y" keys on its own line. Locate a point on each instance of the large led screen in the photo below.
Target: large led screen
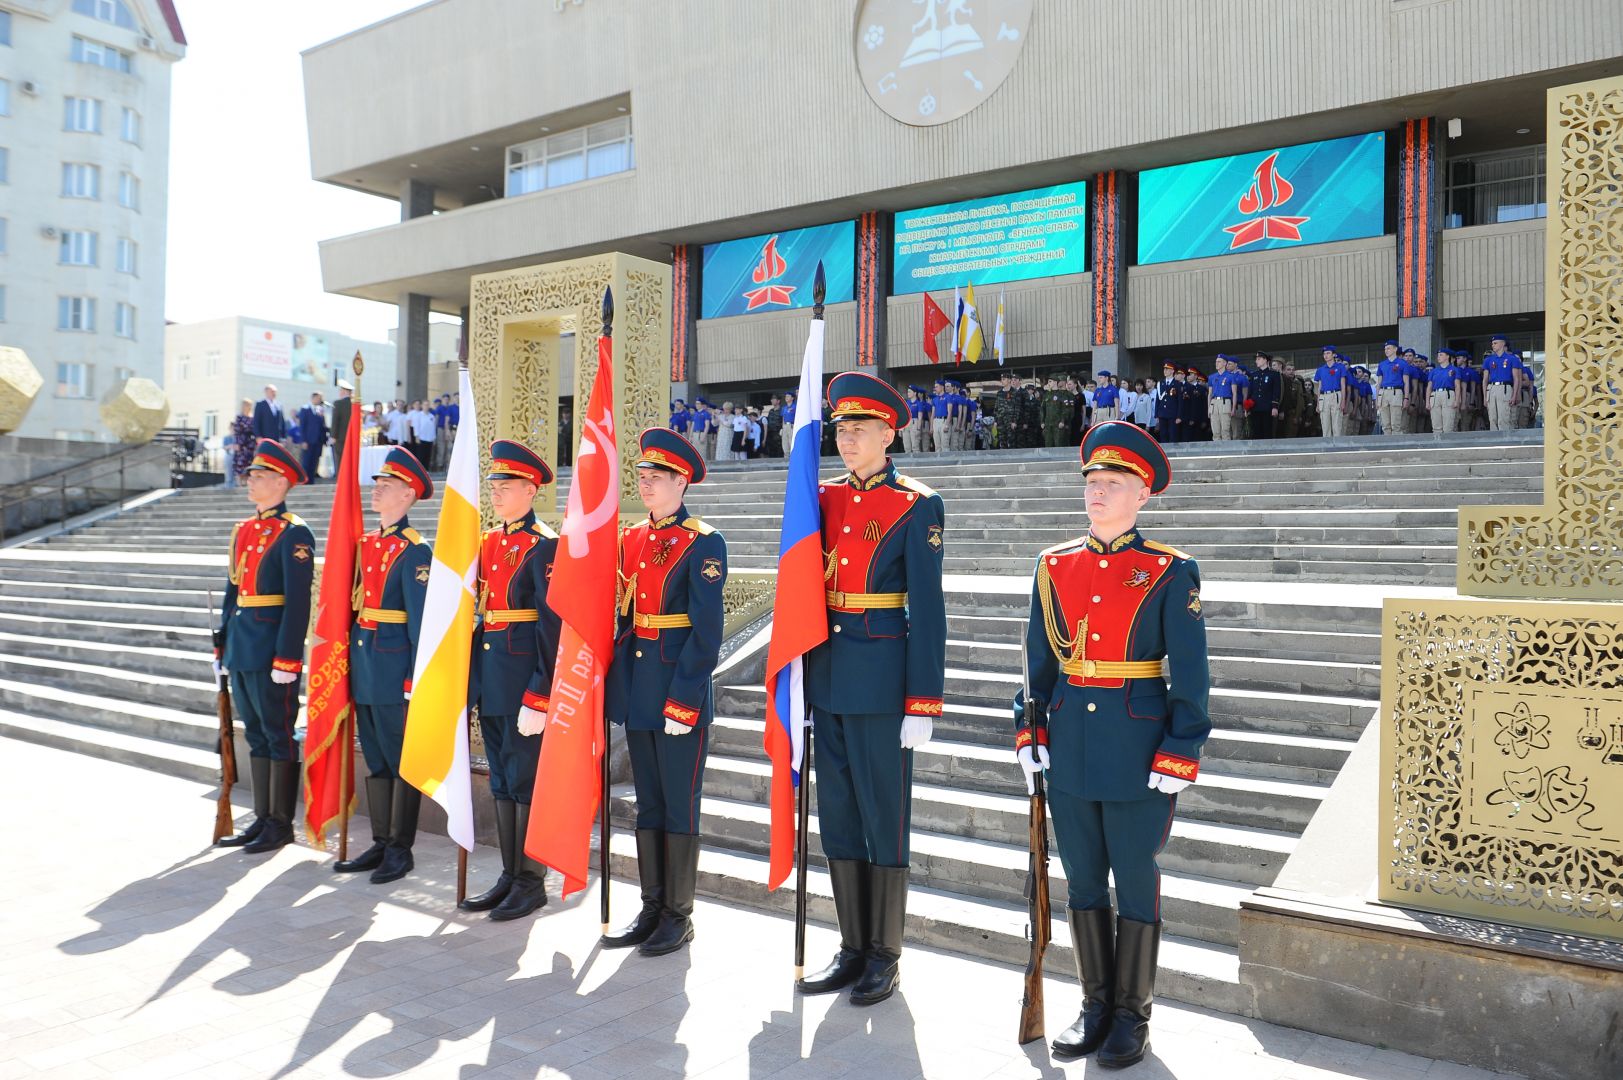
{"x": 1029, "y": 234}
{"x": 776, "y": 270}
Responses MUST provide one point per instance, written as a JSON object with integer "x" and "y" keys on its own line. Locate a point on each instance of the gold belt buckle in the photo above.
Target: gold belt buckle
{"x": 1089, "y": 667}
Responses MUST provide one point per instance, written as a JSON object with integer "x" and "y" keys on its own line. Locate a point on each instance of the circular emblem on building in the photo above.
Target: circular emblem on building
{"x": 926, "y": 62}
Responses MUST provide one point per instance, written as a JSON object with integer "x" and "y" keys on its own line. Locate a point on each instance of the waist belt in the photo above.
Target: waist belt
{"x": 660, "y": 622}
{"x": 512, "y": 615}
{"x": 864, "y": 601}
{"x": 267, "y": 600}
{"x": 1114, "y": 669}
{"x": 383, "y": 615}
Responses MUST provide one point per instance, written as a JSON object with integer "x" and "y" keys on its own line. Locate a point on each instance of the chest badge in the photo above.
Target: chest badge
{"x": 662, "y": 550}
{"x": 871, "y": 532}
{"x": 711, "y": 570}
{"x": 1137, "y": 579}
{"x": 510, "y": 556}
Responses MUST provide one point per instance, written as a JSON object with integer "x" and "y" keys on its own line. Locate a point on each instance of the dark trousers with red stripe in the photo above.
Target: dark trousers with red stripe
{"x": 864, "y": 787}
{"x": 1098, "y": 839}
{"x": 668, "y": 773}
{"x": 268, "y": 710}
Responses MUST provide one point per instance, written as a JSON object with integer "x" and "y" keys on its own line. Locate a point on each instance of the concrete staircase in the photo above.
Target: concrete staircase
{"x": 104, "y": 646}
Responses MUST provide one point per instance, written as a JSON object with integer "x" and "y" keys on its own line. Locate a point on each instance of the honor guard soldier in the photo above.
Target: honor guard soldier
{"x": 260, "y": 641}
{"x": 513, "y": 654}
{"x": 391, "y": 566}
{"x": 875, "y": 686}
{"x": 1108, "y": 611}
{"x": 672, "y": 571}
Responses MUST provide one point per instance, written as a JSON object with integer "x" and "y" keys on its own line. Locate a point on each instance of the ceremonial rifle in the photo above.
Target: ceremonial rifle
{"x": 228, "y": 744}
{"x": 1041, "y": 928}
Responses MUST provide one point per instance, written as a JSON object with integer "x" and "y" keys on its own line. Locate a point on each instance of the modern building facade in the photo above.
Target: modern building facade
{"x": 211, "y": 367}
{"x": 1130, "y": 179}
{"x": 84, "y": 181}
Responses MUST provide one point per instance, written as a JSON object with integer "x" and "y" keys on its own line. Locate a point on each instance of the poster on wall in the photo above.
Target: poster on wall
{"x": 266, "y": 352}
{"x": 774, "y": 271}
{"x": 1028, "y": 234}
{"x": 1286, "y": 197}
{"x": 309, "y": 359}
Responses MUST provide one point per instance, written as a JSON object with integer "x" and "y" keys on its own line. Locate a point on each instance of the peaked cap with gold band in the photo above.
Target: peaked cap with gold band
{"x": 402, "y": 464}
{"x": 854, "y": 395}
{"x": 1126, "y": 447}
{"x": 269, "y": 455}
{"x": 512, "y": 460}
{"x": 663, "y": 448}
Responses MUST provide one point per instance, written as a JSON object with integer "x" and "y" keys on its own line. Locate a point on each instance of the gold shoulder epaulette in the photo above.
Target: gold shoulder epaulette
{"x": 412, "y": 535}
{"x": 695, "y": 525}
{"x": 914, "y": 485}
{"x": 543, "y": 529}
{"x": 291, "y": 518}
{"x": 1155, "y": 545}
{"x": 843, "y": 478}
{"x": 1062, "y": 548}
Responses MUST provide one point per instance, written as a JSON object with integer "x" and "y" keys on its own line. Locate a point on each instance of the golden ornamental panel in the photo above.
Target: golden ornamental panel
{"x": 1571, "y": 546}
{"x": 746, "y": 597}
{"x": 1502, "y": 753}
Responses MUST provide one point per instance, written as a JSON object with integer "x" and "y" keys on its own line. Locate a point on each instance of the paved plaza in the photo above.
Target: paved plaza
{"x": 129, "y": 949}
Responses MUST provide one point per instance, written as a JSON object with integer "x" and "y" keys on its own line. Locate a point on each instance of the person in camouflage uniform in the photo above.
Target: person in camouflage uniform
{"x": 1006, "y": 410}
{"x": 1056, "y": 412}
{"x": 1292, "y": 399}
{"x": 1031, "y": 415}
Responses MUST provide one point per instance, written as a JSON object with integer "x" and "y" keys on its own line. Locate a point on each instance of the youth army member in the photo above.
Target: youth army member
{"x": 1226, "y": 400}
{"x": 1443, "y": 393}
{"x": 1106, "y": 399}
{"x": 875, "y": 686}
{"x": 260, "y": 640}
{"x": 673, "y": 569}
{"x": 1058, "y": 405}
{"x": 515, "y": 647}
{"x": 391, "y": 570}
{"x": 1332, "y": 380}
{"x": 916, "y": 435}
{"x": 1108, "y": 610}
{"x": 1505, "y": 379}
{"x": 1396, "y": 390}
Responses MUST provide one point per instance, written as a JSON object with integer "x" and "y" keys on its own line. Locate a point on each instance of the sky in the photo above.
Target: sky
{"x": 244, "y": 215}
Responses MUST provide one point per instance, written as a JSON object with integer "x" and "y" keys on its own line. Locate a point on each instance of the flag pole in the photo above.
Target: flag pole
{"x": 603, "y": 799}
{"x": 346, "y": 729}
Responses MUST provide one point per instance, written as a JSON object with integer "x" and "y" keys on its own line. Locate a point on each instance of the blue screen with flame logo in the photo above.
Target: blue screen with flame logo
{"x": 775, "y": 271}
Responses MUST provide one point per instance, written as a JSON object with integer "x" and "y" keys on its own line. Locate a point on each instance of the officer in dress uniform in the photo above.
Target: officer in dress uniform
{"x": 673, "y": 568}
{"x": 513, "y": 653}
{"x": 260, "y": 641}
{"x": 1108, "y": 610}
{"x": 392, "y": 563}
{"x": 1266, "y": 391}
{"x": 1169, "y": 403}
{"x": 875, "y": 686}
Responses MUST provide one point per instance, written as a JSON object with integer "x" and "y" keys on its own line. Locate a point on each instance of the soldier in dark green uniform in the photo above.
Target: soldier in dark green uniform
{"x": 1006, "y": 409}
{"x": 1031, "y": 415}
{"x": 1109, "y": 611}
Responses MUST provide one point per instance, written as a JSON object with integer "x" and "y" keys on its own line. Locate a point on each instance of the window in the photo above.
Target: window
{"x": 5, "y": 28}
{"x": 81, "y": 181}
{"x": 5, "y": 97}
{"x": 570, "y": 156}
{"x": 82, "y": 114}
{"x": 211, "y": 424}
{"x": 129, "y": 129}
{"x": 78, "y": 248}
{"x": 72, "y": 380}
{"x": 5, "y": 165}
{"x": 126, "y": 255}
{"x": 1506, "y": 185}
{"x": 124, "y": 320}
{"x": 109, "y": 11}
{"x": 129, "y": 191}
{"x": 85, "y": 51}
{"x": 183, "y": 369}
{"x": 211, "y": 360}
{"x": 76, "y": 313}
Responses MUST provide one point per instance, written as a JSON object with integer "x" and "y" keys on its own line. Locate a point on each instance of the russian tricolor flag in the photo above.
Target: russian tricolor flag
{"x": 799, "y": 610}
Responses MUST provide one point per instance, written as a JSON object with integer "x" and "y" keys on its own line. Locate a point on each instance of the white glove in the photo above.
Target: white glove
{"x": 219, "y": 669}
{"x": 1032, "y": 764}
{"x": 676, "y": 727}
{"x": 284, "y": 677}
{"x": 531, "y": 721}
{"x": 915, "y": 731}
{"x": 1168, "y": 785}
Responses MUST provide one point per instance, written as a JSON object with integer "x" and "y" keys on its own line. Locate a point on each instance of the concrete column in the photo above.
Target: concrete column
{"x": 1424, "y": 333}
{"x": 874, "y": 230}
{"x": 416, "y": 199}
{"x": 1110, "y": 351}
{"x": 411, "y": 345}
{"x": 685, "y": 264}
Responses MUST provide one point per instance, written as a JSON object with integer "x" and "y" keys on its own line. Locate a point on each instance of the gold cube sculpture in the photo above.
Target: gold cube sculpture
{"x": 19, "y": 384}
{"x": 136, "y": 410}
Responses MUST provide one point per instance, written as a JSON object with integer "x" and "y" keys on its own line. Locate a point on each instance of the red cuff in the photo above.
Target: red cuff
{"x": 407, "y": 687}
{"x": 1026, "y": 736}
{"x": 922, "y": 706}
{"x": 1172, "y": 765}
{"x": 675, "y": 710}
{"x": 295, "y": 666}
{"x": 532, "y": 700}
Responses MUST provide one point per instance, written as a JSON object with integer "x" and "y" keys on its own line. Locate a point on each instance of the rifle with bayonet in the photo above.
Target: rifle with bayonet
{"x": 1041, "y": 929}
{"x": 228, "y": 743}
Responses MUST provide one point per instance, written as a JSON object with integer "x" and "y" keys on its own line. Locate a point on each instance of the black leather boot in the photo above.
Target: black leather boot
{"x": 284, "y": 792}
{"x": 849, "y": 880}
{"x": 675, "y": 927}
{"x": 378, "y": 794}
{"x": 651, "y": 874}
{"x": 259, "y": 781}
{"x": 1093, "y": 941}
{"x": 397, "y": 860}
{"x": 1138, "y": 945}
{"x": 507, "y": 841}
{"x": 529, "y": 891}
{"x": 887, "y": 916}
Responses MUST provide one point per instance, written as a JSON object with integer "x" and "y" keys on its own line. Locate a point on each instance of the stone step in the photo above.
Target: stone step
{"x": 992, "y": 671}
{"x": 145, "y": 659}
{"x": 68, "y": 610}
{"x": 194, "y": 695}
{"x": 155, "y": 755}
{"x": 1197, "y": 972}
{"x": 189, "y": 639}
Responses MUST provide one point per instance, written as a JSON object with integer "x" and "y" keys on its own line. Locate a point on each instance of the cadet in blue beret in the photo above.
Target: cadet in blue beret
{"x": 260, "y": 640}
{"x": 875, "y": 686}
{"x": 1504, "y": 377}
{"x": 513, "y": 654}
{"x": 1109, "y": 611}
{"x": 392, "y": 563}
{"x": 673, "y": 568}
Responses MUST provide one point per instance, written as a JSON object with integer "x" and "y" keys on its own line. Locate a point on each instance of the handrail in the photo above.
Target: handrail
{"x": 166, "y": 437}
{"x": 58, "y": 482}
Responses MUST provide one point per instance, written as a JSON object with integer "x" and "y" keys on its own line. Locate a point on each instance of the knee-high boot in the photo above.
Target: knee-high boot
{"x": 887, "y": 917}
{"x": 529, "y": 891}
{"x": 1093, "y": 940}
{"x": 675, "y": 927}
{"x": 403, "y": 808}
{"x": 379, "y": 792}
{"x": 284, "y": 792}
{"x": 651, "y": 874}
{"x": 507, "y": 841}
{"x": 1138, "y": 945}
{"x": 849, "y": 879}
{"x": 259, "y": 781}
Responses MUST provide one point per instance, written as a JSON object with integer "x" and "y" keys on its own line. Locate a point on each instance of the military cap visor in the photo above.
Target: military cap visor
{"x": 403, "y": 465}
{"x": 663, "y": 448}
{"x": 512, "y": 460}
{"x": 853, "y": 395}
{"x": 1123, "y": 446}
{"x": 270, "y": 456}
